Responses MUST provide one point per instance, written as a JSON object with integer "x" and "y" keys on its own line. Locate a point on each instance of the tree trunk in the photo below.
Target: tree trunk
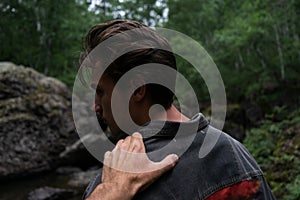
{"x": 279, "y": 49}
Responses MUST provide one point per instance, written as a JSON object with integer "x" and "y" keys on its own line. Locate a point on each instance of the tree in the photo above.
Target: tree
{"x": 46, "y": 35}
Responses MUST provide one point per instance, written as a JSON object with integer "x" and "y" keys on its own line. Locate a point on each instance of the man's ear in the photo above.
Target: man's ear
{"x": 140, "y": 93}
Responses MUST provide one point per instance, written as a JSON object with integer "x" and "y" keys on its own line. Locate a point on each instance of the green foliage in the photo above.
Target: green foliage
{"x": 254, "y": 43}
{"x": 260, "y": 143}
{"x": 293, "y": 191}
{"x": 245, "y": 38}
{"x": 151, "y": 12}
{"x": 46, "y": 35}
{"x": 276, "y": 147}
{"x": 255, "y": 40}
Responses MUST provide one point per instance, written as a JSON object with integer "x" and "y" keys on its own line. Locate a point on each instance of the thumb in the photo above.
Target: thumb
{"x": 168, "y": 163}
{"x": 163, "y": 166}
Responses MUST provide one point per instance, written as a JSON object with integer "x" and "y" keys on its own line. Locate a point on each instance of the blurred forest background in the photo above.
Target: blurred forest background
{"x": 255, "y": 44}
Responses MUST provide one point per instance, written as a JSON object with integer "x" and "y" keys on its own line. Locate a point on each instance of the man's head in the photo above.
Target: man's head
{"x": 149, "y": 48}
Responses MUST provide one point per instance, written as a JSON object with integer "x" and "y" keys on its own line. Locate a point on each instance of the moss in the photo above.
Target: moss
{"x": 16, "y": 117}
{"x": 276, "y": 147}
{"x": 293, "y": 191}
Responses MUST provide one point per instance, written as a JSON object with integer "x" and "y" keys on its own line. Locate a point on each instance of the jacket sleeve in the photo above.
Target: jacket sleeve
{"x": 92, "y": 185}
{"x": 247, "y": 190}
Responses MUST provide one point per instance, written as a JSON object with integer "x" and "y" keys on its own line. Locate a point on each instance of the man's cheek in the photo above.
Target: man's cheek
{"x": 102, "y": 124}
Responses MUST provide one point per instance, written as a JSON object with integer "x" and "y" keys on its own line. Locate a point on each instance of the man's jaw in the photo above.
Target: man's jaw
{"x": 113, "y": 137}
{"x": 102, "y": 122}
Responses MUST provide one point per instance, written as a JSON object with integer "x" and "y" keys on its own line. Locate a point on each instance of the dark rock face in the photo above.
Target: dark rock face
{"x": 82, "y": 179}
{"x": 240, "y": 117}
{"x": 49, "y": 193}
{"x": 36, "y": 121}
{"x": 235, "y": 122}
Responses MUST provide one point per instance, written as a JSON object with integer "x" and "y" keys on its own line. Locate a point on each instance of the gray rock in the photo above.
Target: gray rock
{"x": 49, "y": 193}
{"x": 82, "y": 179}
{"x": 36, "y": 121}
{"x": 68, "y": 170}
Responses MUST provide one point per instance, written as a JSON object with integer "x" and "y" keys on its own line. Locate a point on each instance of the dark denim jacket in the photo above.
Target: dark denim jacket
{"x": 192, "y": 178}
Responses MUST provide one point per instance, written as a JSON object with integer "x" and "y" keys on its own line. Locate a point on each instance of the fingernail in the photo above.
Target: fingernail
{"x": 174, "y": 158}
{"x": 137, "y": 135}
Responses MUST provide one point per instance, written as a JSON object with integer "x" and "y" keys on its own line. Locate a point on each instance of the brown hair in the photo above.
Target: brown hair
{"x": 99, "y": 33}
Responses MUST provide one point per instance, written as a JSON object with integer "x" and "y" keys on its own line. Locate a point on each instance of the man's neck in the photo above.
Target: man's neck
{"x": 171, "y": 114}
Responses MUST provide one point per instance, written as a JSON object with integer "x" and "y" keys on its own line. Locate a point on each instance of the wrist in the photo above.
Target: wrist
{"x": 124, "y": 191}
{"x": 129, "y": 190}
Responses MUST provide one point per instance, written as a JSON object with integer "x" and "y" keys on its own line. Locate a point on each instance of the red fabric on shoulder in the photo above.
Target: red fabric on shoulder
{"x": 243, "y": 190}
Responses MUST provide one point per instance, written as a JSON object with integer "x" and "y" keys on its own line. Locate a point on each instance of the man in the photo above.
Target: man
{"x": 227, "y": 172}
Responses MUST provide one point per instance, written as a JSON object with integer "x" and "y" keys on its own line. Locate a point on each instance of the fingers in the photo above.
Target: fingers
{"x": 107, "y": 158}
{"x": 125, "y": 151}
{"x": 133, "y": 143}
{"x": 106, "y": 165}
{"x": 137, "y": 145}
{"x": 129, "y": 155}
{"x": 117, "y": 155}
{"x": 118, "y": 145}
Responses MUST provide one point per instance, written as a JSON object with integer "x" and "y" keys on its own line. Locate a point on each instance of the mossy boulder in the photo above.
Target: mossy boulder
{"x": 36, "y": 121}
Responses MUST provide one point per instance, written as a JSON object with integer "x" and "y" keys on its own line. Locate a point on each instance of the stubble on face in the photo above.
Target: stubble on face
{"x": 103, "y": 107}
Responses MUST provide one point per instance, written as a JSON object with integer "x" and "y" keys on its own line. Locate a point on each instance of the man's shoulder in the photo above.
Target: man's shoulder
{"x": 226, "y": 147}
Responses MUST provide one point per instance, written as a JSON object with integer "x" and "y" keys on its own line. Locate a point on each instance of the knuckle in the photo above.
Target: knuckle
{"x": 138, "y": 144}
{"x": 119, "y": 143}
{"x": 107, "y": 155}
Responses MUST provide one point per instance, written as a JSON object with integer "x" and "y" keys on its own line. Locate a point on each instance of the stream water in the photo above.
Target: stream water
{"x": 20, "y": 188}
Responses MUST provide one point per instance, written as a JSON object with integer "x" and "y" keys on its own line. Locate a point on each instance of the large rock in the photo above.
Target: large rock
{"x": 36, "y": 121}
{"x": 82, "y": 179}
{"x": 49, "y": 193}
